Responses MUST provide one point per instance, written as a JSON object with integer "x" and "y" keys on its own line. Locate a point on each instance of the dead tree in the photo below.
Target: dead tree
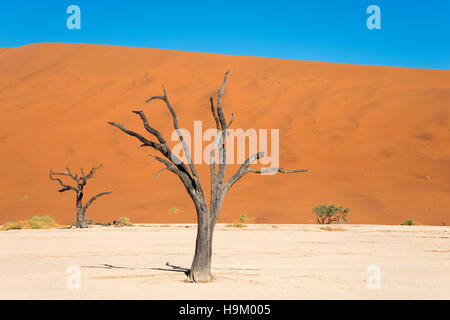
{"x": 80, "y": 181}
{"x": 206, "y": 215}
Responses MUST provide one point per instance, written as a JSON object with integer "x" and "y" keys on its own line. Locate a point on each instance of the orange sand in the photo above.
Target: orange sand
{"x": 369, "y": 135}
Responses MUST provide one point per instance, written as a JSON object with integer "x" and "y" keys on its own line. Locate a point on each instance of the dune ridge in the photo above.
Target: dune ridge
{"x": 375, "y": 139}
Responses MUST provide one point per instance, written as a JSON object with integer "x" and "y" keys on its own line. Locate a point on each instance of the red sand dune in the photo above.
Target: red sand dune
{"x": 369, "y": 135}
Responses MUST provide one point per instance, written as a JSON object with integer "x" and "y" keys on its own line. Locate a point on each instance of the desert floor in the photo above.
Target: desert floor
{"x": 257, "y": 262}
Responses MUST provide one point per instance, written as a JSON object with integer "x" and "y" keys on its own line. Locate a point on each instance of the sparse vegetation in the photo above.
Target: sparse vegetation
{"x": 332, "y": 229}
{"x": 122, "y": 222}
{"x": 88, "y": 221}
{"x": 47, "y": 219}
{"x": 235, "y": 225}
{"x": 409, "y": 222}
{"x": 35, "y": 225}
{"x": 12, "y": 226}
{"x": 240, "y": 224}
{"x": 125, "y": 221}
{"x": 36, "y": 222}
{"x": 331, "y": 214}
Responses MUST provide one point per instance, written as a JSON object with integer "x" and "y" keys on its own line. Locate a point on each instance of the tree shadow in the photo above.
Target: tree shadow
{"x": 171, "y": 268}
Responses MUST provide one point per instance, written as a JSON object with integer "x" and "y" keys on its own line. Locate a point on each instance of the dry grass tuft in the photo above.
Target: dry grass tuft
{"x": 36, "y": 222}
{"x": 410, "y": 222}
{"x": 125, "y": 221}
{"x": 333, "y": 229}
{"x": 236, "y": 225}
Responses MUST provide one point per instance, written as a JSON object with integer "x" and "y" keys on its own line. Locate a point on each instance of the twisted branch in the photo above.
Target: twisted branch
{"x": 93, "y": 198}
{"x": 245, "y": 168}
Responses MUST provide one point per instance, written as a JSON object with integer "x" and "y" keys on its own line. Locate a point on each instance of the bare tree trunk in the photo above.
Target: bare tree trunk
{"x": 206, "y": 221}
{"x": 201, "y": 265}
{"x": 81, "y": 221}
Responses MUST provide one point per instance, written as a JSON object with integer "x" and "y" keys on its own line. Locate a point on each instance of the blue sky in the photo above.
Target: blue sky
{"x": 413, "y": 33}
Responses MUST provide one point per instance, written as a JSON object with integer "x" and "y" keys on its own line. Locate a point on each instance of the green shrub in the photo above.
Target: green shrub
{"x": 47, "y": 219}
{"x": 125, "y": 221}
{"x": 243, "y": 218}
{"x": 35, "y": 225}
{"x": 331, "y": 214}
{"x": 408, "y": 222}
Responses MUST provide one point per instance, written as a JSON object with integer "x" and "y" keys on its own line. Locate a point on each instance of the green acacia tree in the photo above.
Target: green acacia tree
{"x": 331, "y": 214}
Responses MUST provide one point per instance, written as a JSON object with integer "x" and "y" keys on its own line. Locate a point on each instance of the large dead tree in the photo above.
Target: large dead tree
{"x": 80, "y": 181}
{"x": 206, "y": 215}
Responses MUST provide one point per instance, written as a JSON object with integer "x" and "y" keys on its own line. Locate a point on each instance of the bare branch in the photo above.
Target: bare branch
{"x": 212, "y": 160}
{"x": 74, "y": 177}
{"x": 93, "y": 198}
{"x": 213, "y": 110}
{"x": 187, "y": 153}
{"x": 245, "y": 168}
{"x": 156, "y": 98}
{"x": 263, "y": 170}
{"x": 159, "y": 172}
{"x": 223, "y": 122}
{"x": 151, "y": 130}
{"x": 185, "y": 178}
{"x": 132, "y": 133}
{"x": 93, "y": 170}
{"x": 65, "y": 187}
{"x": 162, "y": 148}
{"x": 231, "y": 121}
{"x": 83, "y": 176}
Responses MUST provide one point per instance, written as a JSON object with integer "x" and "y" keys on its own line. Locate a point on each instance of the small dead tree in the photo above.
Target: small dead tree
{"x": 206, "y": 215}
{"x": 80, "y": 181}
